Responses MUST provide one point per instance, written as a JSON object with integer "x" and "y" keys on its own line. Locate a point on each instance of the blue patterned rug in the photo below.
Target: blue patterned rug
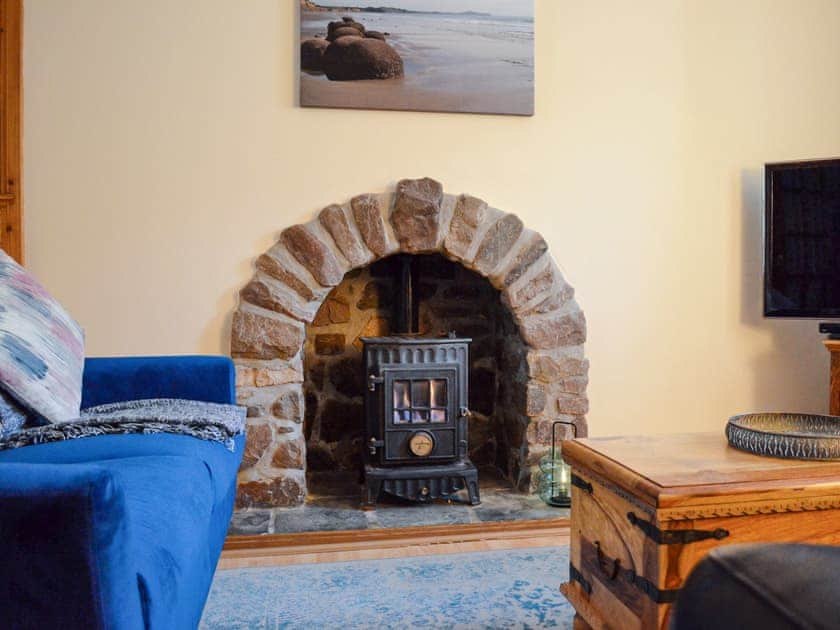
{"x": 483, "y": 590}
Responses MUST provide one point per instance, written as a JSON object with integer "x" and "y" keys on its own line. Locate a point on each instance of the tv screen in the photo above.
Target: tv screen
{"x": 802, "y": 239}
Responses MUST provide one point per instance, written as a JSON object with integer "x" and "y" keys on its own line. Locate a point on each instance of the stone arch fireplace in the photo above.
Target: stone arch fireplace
{"x": 291, "y": 286}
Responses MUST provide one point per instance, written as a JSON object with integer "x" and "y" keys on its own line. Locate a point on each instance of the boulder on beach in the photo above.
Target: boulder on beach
{"x": 333, "y": 27}
{"x": 358, "y": 58}
{"x": 344, "y": 32}
{"x": 375, "y": 35}
{"x": 312, "y": 54}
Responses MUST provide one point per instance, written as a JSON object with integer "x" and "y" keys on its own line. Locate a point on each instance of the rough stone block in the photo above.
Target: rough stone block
{"x": 313, "y": 254}
{"x": 551, "y": 369}
{"x": 551, "y": 302}
{"x": 469, "y": 213}
{"x": 257, "y": 440}
{"x": 497, "y": 243}
{"x": 535, "y": 400}
{"x": 289, "y": 405}
{"x": 416, "y": 215}
{"x": 554, "y": 330}
{"x": 274, "y": 268}
{"x": 542, "y": 284}
{"x": 286, "y": 491}
{"x": 333, "y": 311}
{"x": 268, "y": 376}
{"x": 329, "y": 344}
{"x": 576, "y": 404}
{"x": 336, "y": 223}
{"x": 531, "y": 251}
{"x": 259, "y": 337}
{"x": 368, "y": 219}
{"x": 572, "y": 385}
{"x": 277, "y": 298}
{"x": 290, "y": 454}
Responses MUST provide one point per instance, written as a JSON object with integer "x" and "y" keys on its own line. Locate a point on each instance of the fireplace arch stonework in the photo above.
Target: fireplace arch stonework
{"x": 293, "y": 278}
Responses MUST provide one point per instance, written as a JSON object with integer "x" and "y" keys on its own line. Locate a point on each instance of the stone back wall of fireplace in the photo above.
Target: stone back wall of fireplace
{"x": 295, "y": 276}
{"x": 450, "y": 298}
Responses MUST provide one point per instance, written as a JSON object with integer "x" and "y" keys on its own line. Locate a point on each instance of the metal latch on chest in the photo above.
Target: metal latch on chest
{"x": 675, "y": 536}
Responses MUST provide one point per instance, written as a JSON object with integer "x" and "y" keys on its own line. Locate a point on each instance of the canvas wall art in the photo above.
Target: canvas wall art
{"x": 421, "y": 55}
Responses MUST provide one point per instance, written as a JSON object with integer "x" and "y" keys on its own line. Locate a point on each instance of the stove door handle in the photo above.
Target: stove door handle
{"x": 374, "y": 444}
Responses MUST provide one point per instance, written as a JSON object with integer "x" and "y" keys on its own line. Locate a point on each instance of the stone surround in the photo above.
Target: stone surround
{"x": 295, "y": 277}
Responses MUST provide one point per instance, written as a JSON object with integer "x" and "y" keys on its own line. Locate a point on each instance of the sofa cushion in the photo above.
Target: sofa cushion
{"x": 175, "y": 497}
{"x": 41, "y": 346}
{"x": 767, "y": 586}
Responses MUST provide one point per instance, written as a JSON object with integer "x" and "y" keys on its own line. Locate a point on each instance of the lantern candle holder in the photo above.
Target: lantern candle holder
{"x": 555, "y": 482}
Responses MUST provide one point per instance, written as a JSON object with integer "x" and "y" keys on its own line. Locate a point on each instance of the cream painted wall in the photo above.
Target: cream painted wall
{"x": 164, "y": 151}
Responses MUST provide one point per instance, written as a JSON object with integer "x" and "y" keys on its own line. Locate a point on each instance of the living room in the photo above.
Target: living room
{"x": 574, "y": 245}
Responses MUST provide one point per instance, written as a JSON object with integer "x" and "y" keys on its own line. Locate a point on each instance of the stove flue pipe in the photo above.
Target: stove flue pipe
{"x": 405, "y": 319}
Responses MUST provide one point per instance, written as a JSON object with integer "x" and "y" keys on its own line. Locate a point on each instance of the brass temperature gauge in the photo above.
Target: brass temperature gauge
{"x": 421, "y": 444}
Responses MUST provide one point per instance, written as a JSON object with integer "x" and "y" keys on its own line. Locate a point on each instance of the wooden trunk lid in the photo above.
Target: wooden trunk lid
{"x": 698, "y": 475}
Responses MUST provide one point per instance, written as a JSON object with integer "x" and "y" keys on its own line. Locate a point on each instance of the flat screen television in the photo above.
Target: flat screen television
{"x": 802, "y": 239}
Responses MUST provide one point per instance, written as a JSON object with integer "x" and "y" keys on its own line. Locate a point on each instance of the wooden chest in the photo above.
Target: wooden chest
{"x": 645, "y": 510}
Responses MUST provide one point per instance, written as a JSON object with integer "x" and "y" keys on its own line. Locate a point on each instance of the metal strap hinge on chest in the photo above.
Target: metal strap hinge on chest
{"x": 659, "y": 596}
{"x": 577, "y": 576}
{"x": 675, "y": 536}
{"x": 581, "y": 483}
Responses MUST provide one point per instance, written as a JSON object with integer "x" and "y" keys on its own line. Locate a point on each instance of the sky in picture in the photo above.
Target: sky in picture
{"x": 522, "y": 8}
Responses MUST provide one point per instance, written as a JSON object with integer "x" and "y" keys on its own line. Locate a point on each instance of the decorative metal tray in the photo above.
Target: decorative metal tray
{"x": 790, "y": 435}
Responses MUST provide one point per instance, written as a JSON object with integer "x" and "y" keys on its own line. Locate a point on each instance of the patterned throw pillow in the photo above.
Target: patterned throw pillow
{"x": 42, "y": 349}
{"x": 12, "y": 415}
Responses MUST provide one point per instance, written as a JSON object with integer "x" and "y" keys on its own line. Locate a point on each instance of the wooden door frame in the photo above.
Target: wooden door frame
{"x": 11, "y": 189}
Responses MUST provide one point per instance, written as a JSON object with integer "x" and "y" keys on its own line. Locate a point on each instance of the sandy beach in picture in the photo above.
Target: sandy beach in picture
{"x": 476, "y": 56}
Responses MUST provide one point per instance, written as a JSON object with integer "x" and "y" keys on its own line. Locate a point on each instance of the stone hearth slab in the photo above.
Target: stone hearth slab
{"x": 334, "y": 513}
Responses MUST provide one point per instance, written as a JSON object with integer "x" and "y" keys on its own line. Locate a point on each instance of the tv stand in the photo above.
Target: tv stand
{"x": 831, "y": 329}
{"x": 833, "y": 346}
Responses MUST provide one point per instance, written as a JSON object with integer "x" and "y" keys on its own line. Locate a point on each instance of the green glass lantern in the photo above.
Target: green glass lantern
{"x": 555, "y": 481}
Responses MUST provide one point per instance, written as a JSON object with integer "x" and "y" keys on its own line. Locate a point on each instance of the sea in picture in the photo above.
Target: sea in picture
{"x": 421, "y": 55}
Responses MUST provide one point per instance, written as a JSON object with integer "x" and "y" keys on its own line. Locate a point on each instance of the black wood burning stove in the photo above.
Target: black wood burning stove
{"x": 416, "y": 412}
{"x": 417, "y": 417}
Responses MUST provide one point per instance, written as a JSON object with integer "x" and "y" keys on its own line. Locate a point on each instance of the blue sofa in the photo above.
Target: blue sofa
{"x": 119, "y": 531}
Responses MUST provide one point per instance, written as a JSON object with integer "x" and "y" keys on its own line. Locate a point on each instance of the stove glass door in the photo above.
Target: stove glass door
{"x": 420, "y": 399}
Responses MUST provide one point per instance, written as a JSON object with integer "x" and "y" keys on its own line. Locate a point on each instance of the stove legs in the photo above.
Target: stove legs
{"x": 372, "y": 489}
{"x": 420, "y": 483}
{"x": 471, "y": 480}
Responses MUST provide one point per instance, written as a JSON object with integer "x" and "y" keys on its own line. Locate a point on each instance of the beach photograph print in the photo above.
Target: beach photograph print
{"x": 471, "y": 56}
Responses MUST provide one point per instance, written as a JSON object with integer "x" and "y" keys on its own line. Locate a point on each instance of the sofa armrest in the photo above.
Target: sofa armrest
{"x": 205, "y": 378}
{"x": 65, "y": 551}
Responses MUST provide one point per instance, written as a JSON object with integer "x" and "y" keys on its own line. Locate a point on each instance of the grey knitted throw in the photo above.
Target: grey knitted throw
{"x": 203, "y": 420}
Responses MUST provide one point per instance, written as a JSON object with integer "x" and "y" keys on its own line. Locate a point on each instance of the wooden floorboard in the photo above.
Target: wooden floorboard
{"x": 373, "y": 544}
